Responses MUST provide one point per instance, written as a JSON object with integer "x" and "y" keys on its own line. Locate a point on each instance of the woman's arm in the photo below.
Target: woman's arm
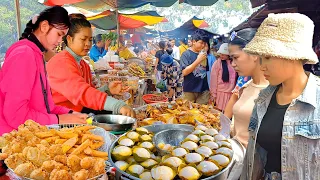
{"x": 228, "y": 110}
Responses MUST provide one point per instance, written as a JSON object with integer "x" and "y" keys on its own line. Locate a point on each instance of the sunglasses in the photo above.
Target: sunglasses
{"x": 234, "y": 35}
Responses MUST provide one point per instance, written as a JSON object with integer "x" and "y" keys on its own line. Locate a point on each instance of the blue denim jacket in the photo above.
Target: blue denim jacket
{"x": 300, "y": 147}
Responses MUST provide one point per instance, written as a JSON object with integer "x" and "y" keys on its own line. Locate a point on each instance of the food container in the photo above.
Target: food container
{"x": 222, "y": 175}
{"x": 112, "y": 72}
{"x": 171, "y": 136}
{"x": 104, "y": 79}
{"x": 133, "y": 82}
{"x": 126, "y": 96}
{"x": 124, "y": 79}
{"x": 152, "y": 98}
{"x": 119, "y": 66}
{"x": 113, "y": 122}
{"x": 224, "y": 121}
{"x": 123, "y": 73}
{"x": 114, "y": 58}
{"x": 108, "y": 137}
{"x": 161, "y": 127}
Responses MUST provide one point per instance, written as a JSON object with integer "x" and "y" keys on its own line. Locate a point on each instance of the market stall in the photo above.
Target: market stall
{"x": 167, "y": 140}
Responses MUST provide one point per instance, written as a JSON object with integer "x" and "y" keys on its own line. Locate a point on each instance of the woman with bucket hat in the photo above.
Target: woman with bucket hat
{"x": 284, "y": 129}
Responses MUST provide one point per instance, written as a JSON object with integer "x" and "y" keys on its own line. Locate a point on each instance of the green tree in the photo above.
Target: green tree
{"x": 8, "y": 24}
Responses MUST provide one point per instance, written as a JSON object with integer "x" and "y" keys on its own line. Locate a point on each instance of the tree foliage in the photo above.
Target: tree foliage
{"x": 8, "y": 23}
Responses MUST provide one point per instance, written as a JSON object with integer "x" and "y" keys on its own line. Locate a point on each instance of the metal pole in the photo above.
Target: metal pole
{"x": 17, "y": 6}
{"x": 118, "y": 27}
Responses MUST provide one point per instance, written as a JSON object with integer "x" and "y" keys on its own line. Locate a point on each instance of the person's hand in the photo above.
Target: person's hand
{"x": 127, "y": 111}
{"x": 116, "y": 88}
{"x": 201, "y": 57}
{"x": 74, "y": 118}
{"x": 107, "y": 44}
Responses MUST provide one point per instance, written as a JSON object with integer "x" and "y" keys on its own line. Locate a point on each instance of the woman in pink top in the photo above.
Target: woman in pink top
{"x": 24, "y": 88}
{"x": 223, "y": 78}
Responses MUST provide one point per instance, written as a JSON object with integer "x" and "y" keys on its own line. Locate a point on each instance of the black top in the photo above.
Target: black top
{"x": 270, "y": 133}
{"x": 35, "y": 40}
{"x": 158, "y": 55}
{"x": 196, "y": 81}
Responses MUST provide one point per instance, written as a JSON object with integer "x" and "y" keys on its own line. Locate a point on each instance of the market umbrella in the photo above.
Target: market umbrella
{"x": 107, "y": 20}
{"x": 188, "y": 28}
{"x": 123, "y": 4}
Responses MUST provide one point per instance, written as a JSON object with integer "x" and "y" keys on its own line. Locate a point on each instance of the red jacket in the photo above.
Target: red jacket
{"x": 71, "y": 83}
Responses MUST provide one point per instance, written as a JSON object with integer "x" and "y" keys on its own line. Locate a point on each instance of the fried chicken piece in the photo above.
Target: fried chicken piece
{"x": 49, "y": 166}
{"x": 98, "y": 168}
{"x": 33, "y": 141}
{"x": 3, "y": 142}
{"x": 81, "y": 175}
{"x": 59, "y": 175}
{"x": 36, "y": 156}
{"x": 87, "y": 162}
{"x": 45, "y": 143}
{"x": 39, "y": 174}
{"x": 34, "y": 126}
{"x": 55, "y": 150}
{"x": 42, "y": 147}
{"x": 25, "y": 169}
{"x": 15, "y": 146}
{"x": 61, "y": 159}
{"x": 73, "y": 162}
{"x": 14, "y": 160}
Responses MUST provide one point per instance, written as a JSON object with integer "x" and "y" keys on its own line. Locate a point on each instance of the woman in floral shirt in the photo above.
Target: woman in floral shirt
{"x": 172, "y": 74}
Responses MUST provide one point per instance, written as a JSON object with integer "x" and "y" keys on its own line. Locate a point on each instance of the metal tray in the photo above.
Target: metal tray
{"x": 60, "y": 126}
{"x": 225, "y": 122}
{"x": 222, "y": 175}
{"x": 114, "y": 122}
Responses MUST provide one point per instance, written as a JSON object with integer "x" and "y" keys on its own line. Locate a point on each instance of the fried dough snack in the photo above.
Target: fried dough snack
{"x": 39, "y": 153}
{"x": 24, "y": 170}
{"x": 39, "y": 174}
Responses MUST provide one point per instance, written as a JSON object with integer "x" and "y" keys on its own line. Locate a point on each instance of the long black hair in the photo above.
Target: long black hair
{"x": 56, "y": 16}
{"x": 77, "y": 21}
{"x": 200, "y": 35}
{"x": 97, "y": 38}
{"x": 243, "y": 37}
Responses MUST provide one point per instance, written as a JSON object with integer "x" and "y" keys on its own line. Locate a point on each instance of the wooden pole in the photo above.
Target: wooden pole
{"x": 17, "y": 6}
{"x": 118, "y": 27}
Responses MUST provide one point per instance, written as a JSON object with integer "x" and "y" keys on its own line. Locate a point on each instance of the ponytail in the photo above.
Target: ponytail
{"x": 27, "y": 31}
{"x": 56, "y": 16}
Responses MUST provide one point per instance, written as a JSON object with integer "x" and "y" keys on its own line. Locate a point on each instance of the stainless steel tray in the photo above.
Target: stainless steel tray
{"x": 225, "y": 122}
{"x": 106, "y": 148}
{"x": 121, "y": 175}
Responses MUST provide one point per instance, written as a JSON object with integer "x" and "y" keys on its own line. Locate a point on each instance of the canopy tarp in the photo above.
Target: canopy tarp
{"x": 188, "y": 28}
{"x": 123, "y": 4}
{"x": 107, "y": 20}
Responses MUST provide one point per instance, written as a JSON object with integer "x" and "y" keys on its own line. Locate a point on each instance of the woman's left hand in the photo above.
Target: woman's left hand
{"x": 117, "y": 88}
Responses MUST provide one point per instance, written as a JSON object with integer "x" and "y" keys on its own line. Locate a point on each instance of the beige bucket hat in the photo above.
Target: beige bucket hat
{"x": 285, "y": 35}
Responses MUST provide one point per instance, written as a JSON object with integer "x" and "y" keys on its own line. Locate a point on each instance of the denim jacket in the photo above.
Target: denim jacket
{"x": 300, "y": 146}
